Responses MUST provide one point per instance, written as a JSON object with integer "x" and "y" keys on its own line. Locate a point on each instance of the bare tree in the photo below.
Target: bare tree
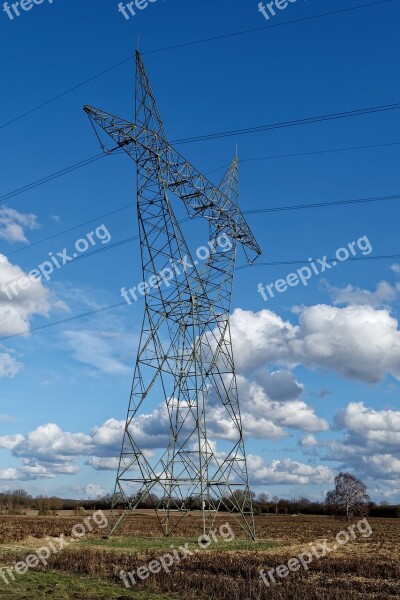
{"x": 349, "y": 497}
{"x": 275, "y": 500}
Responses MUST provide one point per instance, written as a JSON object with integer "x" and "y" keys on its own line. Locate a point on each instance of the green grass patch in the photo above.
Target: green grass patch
{"x": 36, "y": 585}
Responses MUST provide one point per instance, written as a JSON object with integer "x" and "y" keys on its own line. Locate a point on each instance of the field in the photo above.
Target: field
{"x": 366, "y": 567}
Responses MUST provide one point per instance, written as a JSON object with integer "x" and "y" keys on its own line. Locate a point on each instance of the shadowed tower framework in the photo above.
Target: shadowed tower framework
{"x": 185, "y": 358}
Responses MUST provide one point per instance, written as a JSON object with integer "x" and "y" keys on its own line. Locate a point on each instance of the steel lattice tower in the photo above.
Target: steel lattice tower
{"x": 185, "y": 357}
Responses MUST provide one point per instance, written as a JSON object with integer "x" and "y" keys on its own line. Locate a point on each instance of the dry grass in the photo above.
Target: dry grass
{"x": 366, "y": 568}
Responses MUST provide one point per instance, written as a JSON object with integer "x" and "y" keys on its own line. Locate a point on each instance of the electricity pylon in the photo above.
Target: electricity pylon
{"x": 185, "y": 359}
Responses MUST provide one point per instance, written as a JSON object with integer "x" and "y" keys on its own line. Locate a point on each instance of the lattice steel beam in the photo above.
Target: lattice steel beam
{"x": 185, "y": 355}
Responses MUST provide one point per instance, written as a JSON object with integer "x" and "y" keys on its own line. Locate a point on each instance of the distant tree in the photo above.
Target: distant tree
{"x": 284, "y": 506}
{"x": 301, "y": 505}
{"x": 391, "y": 511}
{"x": 262, "y": 498}
{"x": 349, "y": 498}
{"x": 261, "y": 503}
{"x": 42, "y": 503}
{"x": 275, "y": 500}
{"x": 237, "y": 499}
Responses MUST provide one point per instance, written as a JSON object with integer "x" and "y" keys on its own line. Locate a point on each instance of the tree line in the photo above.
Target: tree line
{"x": 349, "y": 499}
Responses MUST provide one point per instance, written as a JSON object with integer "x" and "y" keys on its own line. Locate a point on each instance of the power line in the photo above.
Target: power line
{"x": 87, "y": 161}
{"x": 56, "y": 175}
{"x": 80, "y": 257}
{"x": 247, "y": 212}
{"x": 272, "y": 209}
{"x": 280, "y": 125}
{"x": 307, "y": 262}
{"x": 61, "y": 321}
{"x": 271, "y": 26}
{"x": 72, "y": 89}
{"x": 119, "y": 304}
{"x": 44, "y": 180}
{"x": 51, "y": 237}
{"x": 294, "y": 123}
{"x": 317, "y": 152}
{"x": 195, "y": 42}
{"x": 93, "y": 252}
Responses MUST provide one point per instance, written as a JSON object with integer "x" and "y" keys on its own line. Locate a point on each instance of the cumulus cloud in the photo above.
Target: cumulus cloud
{"x": 93, "y": 490}
{"x": 100, "y": 463}
{"x": 9, "y": 442}
{"x": 383, "y": 295}
{"x": 16, "y": 311}
{"x": 261, "y": 338}
{"x": 308, "y": 440}
{"x": 279, "y": 385}
{"x": 378, "y": 429}
{"x": 257, "y": 405}
{"x": 32, "y": 471}
{"x": 47, "y": 451}
{"x": 371, "y": 443}
{"x": 149, "y": 431}
{"x": 47, "y": 443}
{"x": 13, "y": 224}
{"x": 10, "y": 475}
{"x": 9, "y": 365}
{"x": 358, "y": 342}
{"x": 286, "y": 472}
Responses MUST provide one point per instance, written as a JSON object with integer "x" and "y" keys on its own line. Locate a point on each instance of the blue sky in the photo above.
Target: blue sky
{"x": 325, "y": 391}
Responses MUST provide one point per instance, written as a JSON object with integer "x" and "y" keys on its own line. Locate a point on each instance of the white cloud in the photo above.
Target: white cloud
{"x": 6, "y": 419}
{"x": 292, "y": 413}
{"x": 100, "y": 463}
{"x": 260, "y": 338}
{"x": 286, "y": 472}
{"x": 9, "y": 366}
{"x": 371, "y": 442}
{"x": 93, "y": 490}
{"x": 358, "y": 417}
{"x": 385, "y": 466}
{"x": 9, "y": 475}
{"x": 383, "y": 295}
{"x": 17, "y": 310}
{"x": 11, "y": 441}
{"x": 359, "y": 342}
{"x": 99, "y": 350}
{"x": 46, "y": 451}
{"x": 32, "y": 471}
{"x": 279, "y": 385}
{"x": 396, "y": 269}
{"x": 14, "y": 223}
{"x": 308, "y": 440}
{"x": 149, "y": 431}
